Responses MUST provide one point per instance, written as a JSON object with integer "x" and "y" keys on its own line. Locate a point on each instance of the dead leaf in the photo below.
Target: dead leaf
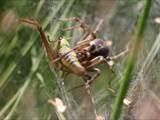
{"x": 58, "y": 103}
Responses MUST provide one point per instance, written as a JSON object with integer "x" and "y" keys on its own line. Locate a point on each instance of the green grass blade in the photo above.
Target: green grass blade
{"x": 17, "y": 97}
{"x": 55, "y": 28}
{"x": 8, "y": 105}
{"x": 20, "y": 94}
{"x": 14, "y": 101}
{"x": 39, "y": 6}
{"x": 53, "y": 13}
{"x": 12, "y": 66}
{"x": 154, "y": 50}
{"x": 131, "y": 61}
{"x": 145, "y": 67}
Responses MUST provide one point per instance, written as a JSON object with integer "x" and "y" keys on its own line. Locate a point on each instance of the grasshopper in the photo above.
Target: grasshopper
{"x": 81, "y": 59}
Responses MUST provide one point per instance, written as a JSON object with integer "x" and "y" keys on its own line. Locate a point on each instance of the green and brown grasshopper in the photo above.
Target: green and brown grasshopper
{"x": 81, "y": 59}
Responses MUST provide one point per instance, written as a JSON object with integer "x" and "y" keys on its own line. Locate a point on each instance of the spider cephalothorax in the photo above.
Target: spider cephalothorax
{"x": 98, "y": 47}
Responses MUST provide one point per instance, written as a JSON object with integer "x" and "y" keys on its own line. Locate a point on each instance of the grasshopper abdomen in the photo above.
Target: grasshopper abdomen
{"x": 70, "y": 60}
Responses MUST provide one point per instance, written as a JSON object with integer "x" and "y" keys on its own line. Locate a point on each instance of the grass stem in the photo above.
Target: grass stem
{"x": 137, "y": 38}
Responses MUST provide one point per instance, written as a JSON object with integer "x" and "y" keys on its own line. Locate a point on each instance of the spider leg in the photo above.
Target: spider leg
{"x": 92, "y": 35}
{"x": 98, "y": 60}
{"x": 121, "y": 53}
{"x": 90, "y": 67}
{"x": 87, "y": 78}
{"x": 82, "y": 25}
{"x": 98, "y": 26}
{"x": 90, "y": 81}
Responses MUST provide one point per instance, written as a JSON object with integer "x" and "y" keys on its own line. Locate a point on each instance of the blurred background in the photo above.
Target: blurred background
{"x": 27, "y": 81}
